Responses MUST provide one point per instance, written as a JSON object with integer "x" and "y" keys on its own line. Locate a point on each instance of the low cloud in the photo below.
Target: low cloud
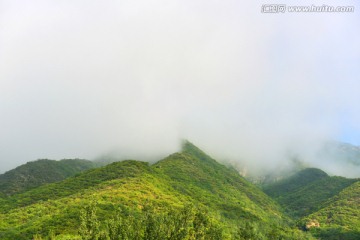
{"x": 134, "y": 77}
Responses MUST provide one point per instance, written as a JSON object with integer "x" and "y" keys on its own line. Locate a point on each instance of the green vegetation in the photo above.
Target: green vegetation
{"x": 40, "y": 172}
{"x": 306, "y": 191}
{"x": 197, "y": 175}
{"x": 76, "y": 184}
{"x": 187, "y": 195}
{"x": 150, "y": 223}
{"x": 340, "y": 216}
{"x": 329, "y": 207}
{"x": 295, "y": 182}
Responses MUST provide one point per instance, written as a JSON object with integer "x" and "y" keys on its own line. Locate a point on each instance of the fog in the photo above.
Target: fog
{"x": 79, "y": 79}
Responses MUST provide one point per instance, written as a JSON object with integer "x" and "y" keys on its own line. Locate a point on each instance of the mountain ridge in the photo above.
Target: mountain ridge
{"x": 232, "y": 204}
{"x": 40, "y": 172}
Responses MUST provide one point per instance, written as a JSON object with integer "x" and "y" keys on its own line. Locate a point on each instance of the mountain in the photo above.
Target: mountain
{"x": 327, "y": 206}
{"x": 342, "y": 152}
{"x": 306, "y": 191}
{"x": 340, "y": 158}
{"x": 294, "y": 182}
{"x": 187, "y": 195}
{"x": 273, "y": 175}
{"x": 37, "y": 173}
{"x": 334, "y": 157}
{"x": 194, "y": 173}
{"x": 340, "y": 216}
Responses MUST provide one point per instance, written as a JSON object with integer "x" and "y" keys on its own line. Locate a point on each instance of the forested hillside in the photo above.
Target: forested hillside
{"x": 187, "y": 195}
{"x": 326, "y": 205}
{"x": 340, "y": 216}
{"x": 306, "y": 191}
{"x": 37, "y": 173}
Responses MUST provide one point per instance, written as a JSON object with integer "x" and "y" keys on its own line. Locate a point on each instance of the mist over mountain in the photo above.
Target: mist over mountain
{"x": 81, "y": 79}
{"x": 273, "y": 97}
{"x": 223, "y": 205}
{"x": 339, "y": 158}
{"x": 336, "y": 158}
{"x": 187, "y": 194}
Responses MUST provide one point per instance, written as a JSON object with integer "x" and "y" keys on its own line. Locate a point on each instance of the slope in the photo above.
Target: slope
{"x": 306, "y": 191}
{"x": 57, "y": 206}
{"x": 190, "y": 177}
{"x": 37, "y": 173}
{"x": 294, "y": 182}
{"x": 195, "y": 174}
{"x": 340, "y": 216}
{"x": 73, "y": 185}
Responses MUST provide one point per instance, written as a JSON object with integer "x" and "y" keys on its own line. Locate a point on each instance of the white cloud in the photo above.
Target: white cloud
{"x": 81, "y": 78}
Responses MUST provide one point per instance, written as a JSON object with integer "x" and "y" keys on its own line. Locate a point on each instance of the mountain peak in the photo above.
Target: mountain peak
{"x": 190, "y": 148}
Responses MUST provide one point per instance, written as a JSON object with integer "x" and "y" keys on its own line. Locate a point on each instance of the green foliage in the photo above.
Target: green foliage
{"x": 138, "y": 201}
{"x": 75, "y": 184}
{"x": 40, "y": 172}
{"x": 340, "y": 216}
{"x": 295, "y": 182}
{"x": 197, "y": 175}
{"x": 89, "y": 223}
{"x": 150, "y": 224}
{"x": 300, "y": 197}
{"x": 336, "y": 233}
{"x": 250, "y": 231}
{"x": 256, "y": 231}
{"x": 328, "y": 206}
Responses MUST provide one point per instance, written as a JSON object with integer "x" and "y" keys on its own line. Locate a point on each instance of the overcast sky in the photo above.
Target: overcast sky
{"x": 82, "y": 78}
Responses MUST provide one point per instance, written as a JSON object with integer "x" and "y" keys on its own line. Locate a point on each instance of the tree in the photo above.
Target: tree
{"x": 89, "y": 223}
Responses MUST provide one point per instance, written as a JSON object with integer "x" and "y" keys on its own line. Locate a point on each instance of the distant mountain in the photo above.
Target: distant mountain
{"x": 334, "y": 157}
{"x": 340, "y": 216}
{"x": 339, "y": 158}
{"x": 269, "y": 176}
{"x": 295, "y": 182}
{"x": 306, "y": 191}
{"x": 37, "y": 173}
{"x": 343, "y": 152}
{"x": 326, "y": 205}
{"x": 225, "y": 205}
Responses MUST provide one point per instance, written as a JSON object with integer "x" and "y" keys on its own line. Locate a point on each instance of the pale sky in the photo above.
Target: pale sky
{"x": 82, "y": 78}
